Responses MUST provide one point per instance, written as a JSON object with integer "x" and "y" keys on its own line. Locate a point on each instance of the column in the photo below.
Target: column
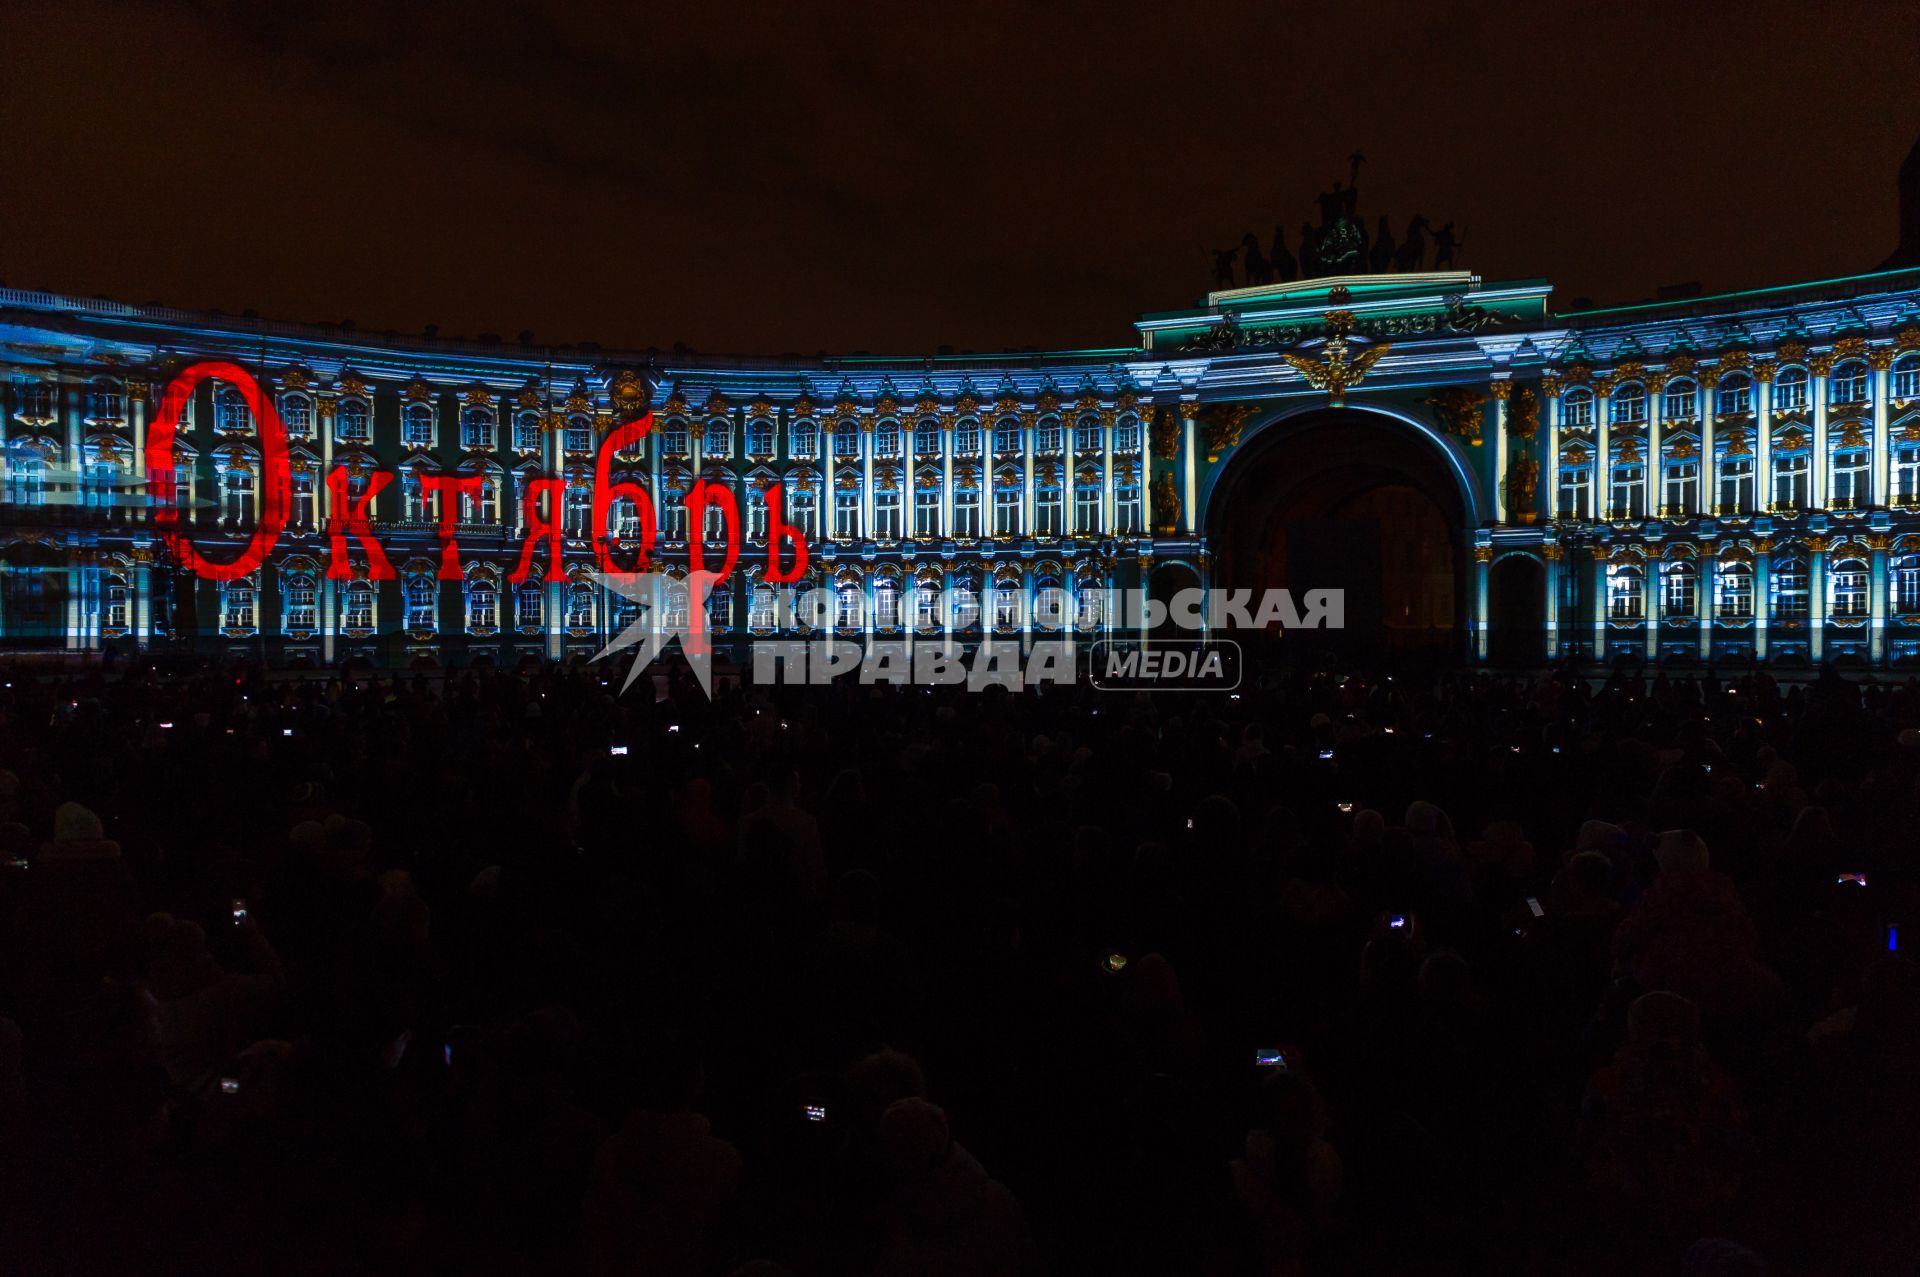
{"x": 1189, "y": 409}
{"x": 1109, "y": 423}
{"x": 1819, "y": 366}
{"x": 1703, "y": 601}
{"x": 947, "y": 425}
{"x": 1550, "y": 392}
{"x": 1652, "y": 582}
{"x": 325, "y": 594}
{"x": 1603, "y": 459}
{"x": 1816, "y": 596}
{"x": 1028, "y": 481}
{"x": 1762, "y": 594}
{"x": 1882, "y": 453}
{"x": 1552, "y": 553}
{"x": 1147, "y": 458}
{"x": 142, "y": 597}
{"x": 866, "y": 479}
{"x": 986, "y": 481}
{"x": 1709, "y": 470}
{"x": 1762, "y": 438}
{"x": 1656, "y": 460}
{"x": 1482, "y": 569}
{"x": 1502, "y": 391}
{"x": 1599, "y": 605}
{"x": 1069, "y": 527}
{"x": 1877, "y": 543}
{"x": 1145, "y": 564}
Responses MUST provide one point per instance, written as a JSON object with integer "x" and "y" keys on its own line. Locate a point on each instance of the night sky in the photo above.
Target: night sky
{"x": 897, "y": 177}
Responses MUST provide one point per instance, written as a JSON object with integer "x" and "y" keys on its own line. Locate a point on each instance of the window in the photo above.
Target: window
{"x": 1086, "y": 506}
{"x": 963, "y": 605}
{"x": 296, "y": 413}
{"x": 1126, "y": 435}
{"x": 1736, "y": 484}
{"x": 926, "y": 604}
{"x": 579, "y": 509}
{"x": 760, "y": 437}
{"x": 1577, "y": 408}
{"x": 102, "y": 477}
{"x": 1575, "y": 481}
{"x": 1682, "y": 400}
{"x": 1848, "y": 383}
{"x": 482, "y": 507}
{"x": 1847, "y": 580}
{"x": 1006, "y": 436}
{"x": 966, "y": 512}
{"x": 846, "y": 439}
{"x": 413, "y": 498}
{"x": 353, "y": 421}
{"x": 1046, "y": 510}
{"x": 1790, "y": 589}
{"x": 416, "y": 426}
{"x": 105, "y": 403}
{"x": 674, "y": 517}
{"x": 359, "y": 609}
{"x": 846, "y": 512}
{"x": 115, "y": 602}
{"x": 579, "y": 433}
{"x": 422, "y": 597}
{"x": 718, "y": 440}
{"x": 1126, "y": 509}
{"x": 1086, "y": 435}
{"x": 1906, "y": 584}
{"x": 1049, "y": 606}
{"x": 1623, "y": 592}
{"x": 802, "y": 509}
{"x": 1680, "y": 581}
{"x": 1006, "y": 606}
{"x": 1906, "y": 472}
{"x": 849, "y": 611}
{"x": 301, "y": 513}
{"x": 1006, "y": 506}
{"x": 1733, "y": 591}
{"x": 302, "y": 609}
{"x": 237, "y": 487}
{"x": 1790, "y": 480}
{"x": 526, "y": 432}
{"x": 886, "y": 513}
{"x": 482, "y": 604}
{"x": 926, "y": 510}
{"x": 237, "y": 606}
{"x": 713, "y": 521}
{"x": 926, "y": 438}
{"x": 760, "y": 607}
{"x": 1090, "y": 605}
{"x": 886, "y": 603}
{"x": 1047, "y": 437}
{"x": 1629, "y": 404}
{"x": 230, "y": 411}
{"x": 530, "y": 604}
{"x": 673, "y": 440}
{"x": 1850, "y": 479}
{"x": 1790, "y": 390}
{"x": 756, "y": 513}
{"x": 580, "y": 606}
{"x": 1734, "y": 395}
{"x": 1906, "y": 377}
{"x": 966, "y": 436}
{"x": 805, "y": 440}
{"x": 1628, "y": 497}
{"x": 1683, "y": 486}
{"x": 476, "y": 428}
{"x": 886, "y": 439}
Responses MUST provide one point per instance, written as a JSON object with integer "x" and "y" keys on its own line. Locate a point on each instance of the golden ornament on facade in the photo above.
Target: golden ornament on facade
{"x": 1821, "y": 365}
{"x": 629, "y": 394}
{"x": 1789, "y": 352}
{"x": 1501, "y": 390}
{"x": 1166, "y": 503}
{"x": 1338, "y": 372}
{"x": 1850, "y": 348}
{"x": 1166, "y": 437}
{"x": 1459, "y": 411}
{"x": 1483, "y": 554}
{"x": 1879, "y": 542}
{"x": 1764, "y": 370}
{"x": 1224, "y": 423}
{"x": 1523, "y": 415}
{"x": 1682, "y": 365}
{"x": 478, "y": 397}
{"x": 1851, "y": 435}
{"x": 1817, "y": 544}
{"x": 1523, "y": 478}
{"x": 294, "y": 377}
{"x": 1551, "y": 386}
{"x": 1683, "y": 449}
{"x": 1552, "y": 552}
{"x": 351, "y": 385}
{"x": 1880, "y": 358}
{"x": 417, "y": 391}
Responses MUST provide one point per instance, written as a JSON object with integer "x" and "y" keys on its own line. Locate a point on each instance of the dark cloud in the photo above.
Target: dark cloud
{"x": 898, "y": 176}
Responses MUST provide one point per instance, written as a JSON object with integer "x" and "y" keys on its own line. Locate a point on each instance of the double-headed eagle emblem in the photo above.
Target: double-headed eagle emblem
{"x": 1338, "y": 372}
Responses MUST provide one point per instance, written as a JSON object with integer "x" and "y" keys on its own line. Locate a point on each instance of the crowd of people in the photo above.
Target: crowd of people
{"x": 1345, "y": 972}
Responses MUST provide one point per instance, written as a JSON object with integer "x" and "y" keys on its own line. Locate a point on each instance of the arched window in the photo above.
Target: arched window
{"x": 760, "y": 437}
{"x": 846, "y": 438}
{"x": 1629, "y": 404}
{"x": 526, "y": 432}
{"x": 1847, "y": 384}
{"x": 623, "y": 519}
{"x": 1624, "y": 601}
{"x": 963, "y": 604}
{"x": 1790, "y": 602}
{"x": 1680, "y": 400}
{"x": 476, "y": 427}
{"x": 926, "y": 438}
{"x": 579, "y": 508}
{"x": 1681, "y": 582}
{"x": 1576, "y": 410}
{"x": 230, "y": 411}
{"x": 296, "y": 413}
{"x": 1006, "y": 436}
{"x": 1905, "y": 581}
{"x": 886, "y": 439}
{"x": 760, "y": 606}
{"x": 1734, "y": 395}
{"x": 579, "y": 433}
{"x": 1734, "y": 475}
{"x": 114, "y": 590}
{"x": 1126, "y": 435}
{"x": 105, "y": 403}
{"x": 300, "y": 603}
{"x": 1790, "y": 389}
{"x": 353, "y": 421}
{"x": 1047, "y": 435}
{"x": 416, "y": 425}
{"x": 236, "y": 488}
{"x": 236, "y": 604}
{"x": 674, "y": 607}
{"x": 1847, "y": 588}
{"x": 579, "y": 606}
{"x": 1050, "y": 606}
{"x": 530, "y": 604}
{"x": 423, "y": 598}
{"x": 886, "y": 603}
{"x": 359, "y": 606}
{"x": 483, "y": 600}
{"x": 1090, "y": 605}
{"x": 1906, "y": 377}
{"x": 673, "y": 440}
{"x": 1086, "y": 434}
{"x": 1006, "y": 606}
{"x": 1733, "y": 590}
{"x": 804, "y": 439}
{"x": 926, "y": 603}
{"x": 966, "y": 436}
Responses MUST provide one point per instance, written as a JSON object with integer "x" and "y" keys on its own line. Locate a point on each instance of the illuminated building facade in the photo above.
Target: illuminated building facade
{"x": 1715, "y": 478}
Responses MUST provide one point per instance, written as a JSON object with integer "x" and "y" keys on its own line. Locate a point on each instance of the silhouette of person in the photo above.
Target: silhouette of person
{"x": 1381, "y": 260}
{"x": 1282, "y": 261}
{"x": 1444, "y": 246}
{"x": 1256, "y": 268}
{"x": 1413, "y": 251}
{"x": 1309, "y": 252}
{"x": 1223, "y": 266}
{"x": 1332, "y": 203}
